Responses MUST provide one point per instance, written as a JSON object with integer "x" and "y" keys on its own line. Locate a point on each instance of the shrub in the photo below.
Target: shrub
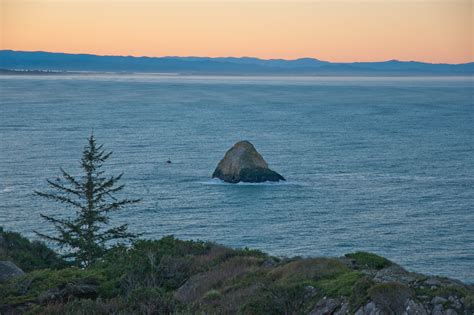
{"x": 251, "y": 252}
{"x": 276, "y": 299}
{"x": 26, "y": 254}
{"x": 29, "y": 287}
{"x": 151, "y": 301}
{"x": 369, "y": 260}
{"x": 81, "y": 307}
{"x": 168, "y": 245}
{"x": 212, "y": 295}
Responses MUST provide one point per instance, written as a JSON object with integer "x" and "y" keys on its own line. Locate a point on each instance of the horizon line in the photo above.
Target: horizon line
{"x": 239, "y": 57}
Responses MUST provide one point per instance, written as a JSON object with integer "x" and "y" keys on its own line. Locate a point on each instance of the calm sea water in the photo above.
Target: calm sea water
{"x": 376, "y": 164}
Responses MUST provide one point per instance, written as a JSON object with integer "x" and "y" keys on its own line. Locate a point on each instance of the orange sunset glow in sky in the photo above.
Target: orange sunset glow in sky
{"x": 439, "y": 31}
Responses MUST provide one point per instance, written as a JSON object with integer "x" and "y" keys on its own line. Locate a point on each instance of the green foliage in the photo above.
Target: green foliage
{"x": 275, "y": 299}
{"x": 341, "y": 285}
{"x": 251, "y": 252}
{"x": 165, "y": 263}
{"x": 27, "y": 288}
{"x": 193, "y": 277}
{"x": 169, "y": 245}
{"x": 369, "y": 260}
{"x": 450, "y": 290}
{"x": 151, "y": 301}
{"x": 27, "y": 255}
{"x": 82, "y": 307}
{"x": 212, "y": 295}
{"x": 253, "y": 277}
{"x": 85, "y": 237}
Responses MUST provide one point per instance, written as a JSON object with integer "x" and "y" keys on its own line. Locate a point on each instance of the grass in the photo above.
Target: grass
{"x": 341, "y": 285}
{"x": 307, "y": 270}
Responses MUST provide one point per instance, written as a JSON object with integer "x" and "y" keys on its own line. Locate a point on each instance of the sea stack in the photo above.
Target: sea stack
{"x": 242, "y": 163}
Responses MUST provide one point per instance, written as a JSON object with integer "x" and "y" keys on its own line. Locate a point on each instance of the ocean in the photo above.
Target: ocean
{"x": 379, "y": 164}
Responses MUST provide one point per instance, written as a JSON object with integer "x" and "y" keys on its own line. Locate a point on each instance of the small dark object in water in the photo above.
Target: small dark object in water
{"x": 168, "y": 161}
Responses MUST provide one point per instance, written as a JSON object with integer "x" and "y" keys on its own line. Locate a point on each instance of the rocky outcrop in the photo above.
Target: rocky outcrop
{"x": 242, "y": 163}
{"x": 9, "y": 270}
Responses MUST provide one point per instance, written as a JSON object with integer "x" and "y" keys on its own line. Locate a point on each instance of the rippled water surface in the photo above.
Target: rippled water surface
{"x": 377, "y": 164}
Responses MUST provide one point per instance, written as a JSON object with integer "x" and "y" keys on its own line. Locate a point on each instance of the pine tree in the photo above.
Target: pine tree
{"x": 85, "y": 237}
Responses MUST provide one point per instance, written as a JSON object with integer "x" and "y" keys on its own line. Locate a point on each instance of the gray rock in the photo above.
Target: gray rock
{"x": 242, "y": 163}
{"x": 343, "y": 310}
{"x": 433, "y": 282}
{"x": 325, "y": 307}
{"x": 391, "y": 297}
{"x": 9, "y": 270}
{"x": 394, "y": 273}
{"x": 438, "y": 300}
{"x": 414, "y": 308}
{"x": 309, "y": 292}
{"x": 438, "y": 309}
{"x": 455, "y": 302}
{"x": 370, "y": 308}
{"x": 451, "y": 312}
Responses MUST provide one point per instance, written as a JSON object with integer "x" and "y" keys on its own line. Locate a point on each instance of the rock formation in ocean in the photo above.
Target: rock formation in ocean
{"x": 242, "y": 163}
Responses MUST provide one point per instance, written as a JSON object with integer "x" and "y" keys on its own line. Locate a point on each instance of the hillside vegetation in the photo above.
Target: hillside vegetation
{"x": 171, "y": 276}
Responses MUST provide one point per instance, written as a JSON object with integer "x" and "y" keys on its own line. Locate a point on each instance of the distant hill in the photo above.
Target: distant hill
{"x": 46, "y": 61}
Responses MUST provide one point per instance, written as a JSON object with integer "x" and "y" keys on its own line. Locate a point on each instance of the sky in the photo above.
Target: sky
{"x": 438, "y": 31}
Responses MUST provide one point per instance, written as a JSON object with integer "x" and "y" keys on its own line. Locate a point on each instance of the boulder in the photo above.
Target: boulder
{"x": 242, "y": 163}
{"x": 326, "y": 306}
{"x": 9, "y": 270}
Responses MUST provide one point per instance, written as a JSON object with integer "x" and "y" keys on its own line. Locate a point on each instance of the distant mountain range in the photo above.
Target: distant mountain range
{"x": 46, "y": 61}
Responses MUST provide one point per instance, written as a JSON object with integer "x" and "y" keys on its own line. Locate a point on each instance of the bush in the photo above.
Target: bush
{"x": 29, "y": 287}
{"x": 165, "y": 263}
{"x": 250, "y": 252}
{"x": 151, "y": 301}
{"x": 26, "y": 254}
{"x": 276, "y": 299}
{"x": 369, "y": 260}
{"x": 212, "y": 295}
{"x": 81, "y": 307}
